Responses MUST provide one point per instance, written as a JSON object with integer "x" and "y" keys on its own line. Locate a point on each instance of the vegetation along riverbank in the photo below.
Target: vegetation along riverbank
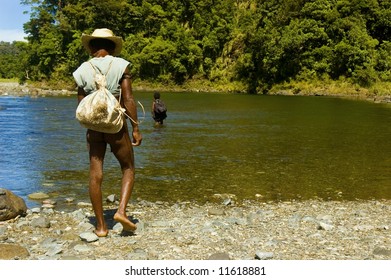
{"x": 258, "y": 47}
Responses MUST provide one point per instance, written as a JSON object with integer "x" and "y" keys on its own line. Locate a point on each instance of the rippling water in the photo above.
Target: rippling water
{"x": 278, "y": 147}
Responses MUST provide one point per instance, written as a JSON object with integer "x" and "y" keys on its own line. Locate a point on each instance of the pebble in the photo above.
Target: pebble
{"x": 294, "y": 230}
{"x": 264, "y": 255}
{"x": 40, "y": 222}
{"x": 88, "y": 237}
{"x": 38, "y": 196}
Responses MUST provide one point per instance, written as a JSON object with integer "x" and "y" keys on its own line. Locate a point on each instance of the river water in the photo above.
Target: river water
{"x": 254, "y": 147}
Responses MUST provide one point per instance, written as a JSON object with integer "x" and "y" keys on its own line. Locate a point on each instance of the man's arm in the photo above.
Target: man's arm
{"x": 130, "y": 106}
{"x": 80, "y": 94}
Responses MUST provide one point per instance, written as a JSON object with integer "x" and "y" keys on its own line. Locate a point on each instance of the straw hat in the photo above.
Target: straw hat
{"x": 102, "y": 33}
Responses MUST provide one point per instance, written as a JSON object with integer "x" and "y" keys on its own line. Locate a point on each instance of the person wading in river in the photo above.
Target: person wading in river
{"x": 104, "y": 46}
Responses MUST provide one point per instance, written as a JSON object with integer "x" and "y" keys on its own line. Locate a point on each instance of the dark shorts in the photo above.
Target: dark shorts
{"x": 160, "y": 117}
{"x": 115, "y": 140}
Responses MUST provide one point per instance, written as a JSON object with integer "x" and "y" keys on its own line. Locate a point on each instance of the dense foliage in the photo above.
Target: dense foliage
{"x": 12, "y": 60}
{"x": 257, "y": 42}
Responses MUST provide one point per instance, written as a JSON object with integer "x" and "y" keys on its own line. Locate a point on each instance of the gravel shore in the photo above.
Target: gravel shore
{"x": 293, "y": 230}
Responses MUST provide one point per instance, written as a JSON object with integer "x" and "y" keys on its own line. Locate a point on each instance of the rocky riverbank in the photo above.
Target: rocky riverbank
{"x": 308, "y": 230}
{"x": 15, "y": 89}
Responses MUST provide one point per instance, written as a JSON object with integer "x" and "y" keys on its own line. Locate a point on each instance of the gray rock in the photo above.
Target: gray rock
{"x": 363, "y": 227}
{"x": 3, "y": 230}
{"x": 48, "y": 211}
{"x": 84, "y": 226}
{"x": 216, "y": 212}
{"x": 69, "y": 199}
{"x": 84, "y": 204}
{"x": 82, "y": 248}
{"x": 40, "y": 222}
{"x": 88, "y": 237}
{"x": 219, "y": 256}
{"x": 11, "y": 205}
{"x": 50, "y": 206}
{"x": 140, "y": 227}
{"x": 227, "y": 202}
{"x": 118, "y": 227}
{"x": 49, "y": 201}
{"x": 54, "y": 250}
{"x": 325, "y": 226}
{"x": 264, "y": 255}
{"x": 111, "y": 198}
{"x": 22, "y": 224}
{"x": 78, "y": 215}
{"x": 35, "y": 210}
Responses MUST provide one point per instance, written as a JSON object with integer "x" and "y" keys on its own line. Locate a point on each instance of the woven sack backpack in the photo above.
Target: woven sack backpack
{"x": 100, "y": 110}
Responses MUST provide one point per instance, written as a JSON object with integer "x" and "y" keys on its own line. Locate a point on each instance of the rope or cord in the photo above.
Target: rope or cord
{"x": 120, "y": 95}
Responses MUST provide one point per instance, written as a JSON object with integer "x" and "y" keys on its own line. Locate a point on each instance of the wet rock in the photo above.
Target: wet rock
{"x": 11, "y": 205}
{"x": 69, "y": 200}
{"x": 49, "y": 201}
{"x": 48, "y": 206}
{"x": 38, "y": 196}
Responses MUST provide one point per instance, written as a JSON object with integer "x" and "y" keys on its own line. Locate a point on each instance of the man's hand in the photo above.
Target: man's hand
{"x": 137, "y": 138}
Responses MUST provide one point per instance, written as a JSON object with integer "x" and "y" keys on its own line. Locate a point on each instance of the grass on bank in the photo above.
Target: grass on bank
{"x": 332, "y": 88}
{"x": 14, "y": 80}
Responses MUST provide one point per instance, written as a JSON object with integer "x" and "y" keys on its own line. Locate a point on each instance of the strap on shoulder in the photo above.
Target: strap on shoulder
{"x": 97, "y": 69}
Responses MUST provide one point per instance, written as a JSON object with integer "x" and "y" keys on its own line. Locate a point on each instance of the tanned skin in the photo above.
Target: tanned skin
{"x": 122, "y": 147}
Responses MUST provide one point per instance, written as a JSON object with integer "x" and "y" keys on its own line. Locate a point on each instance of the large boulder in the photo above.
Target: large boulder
{"x": 11, "y": 205}
{"x": 12, "y": 252}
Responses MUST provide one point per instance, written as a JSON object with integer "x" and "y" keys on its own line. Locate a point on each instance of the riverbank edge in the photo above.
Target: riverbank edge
{"x": 289, "y": 230}
{"x": 345, "y": 91}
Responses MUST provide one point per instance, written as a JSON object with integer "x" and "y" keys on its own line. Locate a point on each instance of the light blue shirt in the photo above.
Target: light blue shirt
{"x": 85, "y": 74}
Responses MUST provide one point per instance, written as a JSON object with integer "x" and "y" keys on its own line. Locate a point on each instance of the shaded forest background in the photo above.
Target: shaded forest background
{"x": 252, "y": 45}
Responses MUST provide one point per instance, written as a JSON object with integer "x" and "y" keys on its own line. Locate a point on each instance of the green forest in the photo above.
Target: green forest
{"x": 252, "y": 45}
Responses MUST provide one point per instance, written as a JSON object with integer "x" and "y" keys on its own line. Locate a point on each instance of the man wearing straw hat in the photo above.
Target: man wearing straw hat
{"x": 103, "y": 47}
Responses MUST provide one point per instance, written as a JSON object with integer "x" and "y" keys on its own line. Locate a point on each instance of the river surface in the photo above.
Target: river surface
{"x": 254, "y": 147}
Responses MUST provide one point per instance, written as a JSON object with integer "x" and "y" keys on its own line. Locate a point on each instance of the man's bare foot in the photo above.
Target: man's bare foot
{"x": 126, "y": 224}
{"x": 101, "y": 233}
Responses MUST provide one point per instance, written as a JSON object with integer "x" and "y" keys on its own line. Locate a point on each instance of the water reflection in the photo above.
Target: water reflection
{"x": 274, "y": 146}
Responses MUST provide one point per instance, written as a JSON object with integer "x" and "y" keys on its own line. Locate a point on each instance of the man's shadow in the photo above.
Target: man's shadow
{"x": 108, "y": 216}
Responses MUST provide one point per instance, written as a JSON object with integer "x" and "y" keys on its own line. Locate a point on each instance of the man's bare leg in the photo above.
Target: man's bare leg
{"x": 97, "y": 152}
{"x": 126, "y": 191}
